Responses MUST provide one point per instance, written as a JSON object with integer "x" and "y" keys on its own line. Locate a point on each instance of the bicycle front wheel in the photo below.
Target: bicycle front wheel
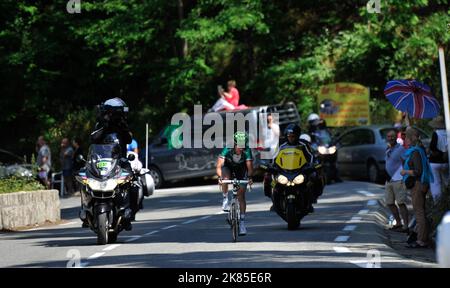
{"x": 234, "y": 222}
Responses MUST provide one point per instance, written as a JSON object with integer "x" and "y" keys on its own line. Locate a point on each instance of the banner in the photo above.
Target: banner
{"x": 344, "y": 104}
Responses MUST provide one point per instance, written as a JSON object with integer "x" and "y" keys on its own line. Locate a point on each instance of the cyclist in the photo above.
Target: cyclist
{"x": 236, "y": 162}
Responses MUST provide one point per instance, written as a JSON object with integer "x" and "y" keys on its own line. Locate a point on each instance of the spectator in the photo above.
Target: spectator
{"x": 133, "y": 146}
{"x": 271, "y": 142}
{"x": 438, "y": 157}
{"x": 221, "y": 104}
{"x": 401, "y": 134}
{"x": 394, "y": 188}
{"x": 44, "y": 161}
{"x": 66, "y": 158}
{"x": 417, "y": 176}
{"x": 232, "y": 96}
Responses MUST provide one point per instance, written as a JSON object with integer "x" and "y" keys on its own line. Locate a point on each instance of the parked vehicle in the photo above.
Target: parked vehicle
{"x": 361, "y": 152}
{"x": 169, "y": 164}
{"x": 13, "y": 165}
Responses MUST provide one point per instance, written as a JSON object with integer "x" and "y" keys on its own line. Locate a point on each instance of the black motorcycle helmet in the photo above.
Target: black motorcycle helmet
{"x": 292, "y": 129}
{"x": 114, "y": 109}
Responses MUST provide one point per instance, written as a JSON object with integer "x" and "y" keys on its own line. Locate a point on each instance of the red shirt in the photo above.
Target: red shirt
{"x": 234, "y": 100}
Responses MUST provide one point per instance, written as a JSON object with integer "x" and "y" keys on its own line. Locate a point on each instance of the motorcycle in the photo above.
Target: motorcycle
{"x": 106, "y": 195}
{"x": 326, "y": 152}
{"x": 292, "y": 185}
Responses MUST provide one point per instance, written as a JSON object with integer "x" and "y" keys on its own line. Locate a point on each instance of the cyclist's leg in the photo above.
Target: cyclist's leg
{"x": 241, "y": 173}
{"x": 226, "y": 175}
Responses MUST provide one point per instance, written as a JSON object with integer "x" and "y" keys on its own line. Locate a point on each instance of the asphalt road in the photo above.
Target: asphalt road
{"x": 184, "y": 228}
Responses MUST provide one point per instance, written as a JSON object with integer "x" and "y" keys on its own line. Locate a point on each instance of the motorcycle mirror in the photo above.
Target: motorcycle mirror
{"x": 131, "y": 157}
{"x": 80, "y": 158}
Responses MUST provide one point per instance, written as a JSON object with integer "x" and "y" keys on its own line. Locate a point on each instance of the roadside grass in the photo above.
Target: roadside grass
{"x": 16, "y": 184}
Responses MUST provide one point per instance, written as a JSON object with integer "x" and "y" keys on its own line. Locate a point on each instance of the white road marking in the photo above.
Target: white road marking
{"x": 133, "y": 238}
{"x": 342, "y": 250}
{"x": 96, "y": 255}
{"x": 372, "y": 202}
{"x": 349, "y": 228}
{"x": 169, "y": 227}
{"x": 69, "y": 223}
{"x": 205, "y": 217}
{"x": 366, "y": 193}
{"x": 111, "y": 247}
{"x": 342, "y": 238}
{"x": 151, "y": 233}
{"x": 190, "y": 221}
{"x": 364, "y": 211}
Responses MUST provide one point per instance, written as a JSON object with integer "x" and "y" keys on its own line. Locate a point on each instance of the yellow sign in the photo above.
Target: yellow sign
{"x": 344, "y": 104}
{"x": 290, "y": 159}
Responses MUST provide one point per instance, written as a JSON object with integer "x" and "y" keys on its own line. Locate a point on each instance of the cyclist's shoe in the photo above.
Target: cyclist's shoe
{"x": 225, "y": 205}
{"x": 242, "y": 229}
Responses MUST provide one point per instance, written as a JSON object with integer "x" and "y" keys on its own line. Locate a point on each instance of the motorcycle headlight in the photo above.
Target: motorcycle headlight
{"x": 322, "y": 150}
{"x": 282, "y": 179}
{"x": 332, "y": 150}
{"x": 299, "y": 179}
{"x": 108, "y": 185}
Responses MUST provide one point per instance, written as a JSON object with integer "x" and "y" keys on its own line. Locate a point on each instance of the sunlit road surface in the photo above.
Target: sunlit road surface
{"x": 185, "y": 228}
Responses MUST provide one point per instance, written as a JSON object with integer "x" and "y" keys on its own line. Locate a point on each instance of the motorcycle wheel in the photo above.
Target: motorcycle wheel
{"x": 292, "y": 219}
{"x": 102, "y": 230}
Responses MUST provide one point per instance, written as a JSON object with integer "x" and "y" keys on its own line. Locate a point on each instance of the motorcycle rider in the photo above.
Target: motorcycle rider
{"x": 237, "y": 161}
{"x": 319, "y": 133}
{"x": 112, "y": 128}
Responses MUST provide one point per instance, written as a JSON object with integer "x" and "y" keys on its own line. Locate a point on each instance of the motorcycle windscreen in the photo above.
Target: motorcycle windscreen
{"x": 290, "y": 159}
{"x": 103, "y": 159}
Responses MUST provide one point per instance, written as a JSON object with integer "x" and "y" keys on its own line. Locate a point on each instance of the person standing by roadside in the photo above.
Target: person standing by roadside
{"x": 394, "y": 188}
{"x": 417, "y": 176}
{"x": 43, "y": 161}
{"x": 66, "y": 158}
{"x": 438, "y": 157}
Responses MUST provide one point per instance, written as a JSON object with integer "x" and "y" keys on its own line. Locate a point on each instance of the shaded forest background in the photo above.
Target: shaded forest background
{"x": 164, "y": 56}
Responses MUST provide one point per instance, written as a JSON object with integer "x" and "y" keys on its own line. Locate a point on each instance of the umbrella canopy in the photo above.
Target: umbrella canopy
{"x": 412, "y": 97}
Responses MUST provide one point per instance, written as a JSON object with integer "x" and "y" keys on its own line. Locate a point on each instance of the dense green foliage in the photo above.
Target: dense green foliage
{"x": 16, "y": 184}
{"x": 163, "y": 56}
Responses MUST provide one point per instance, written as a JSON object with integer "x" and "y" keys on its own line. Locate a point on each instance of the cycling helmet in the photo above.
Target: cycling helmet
{"x": 240, "y": 138}
{"x": 313, "y": 117}
{"x": 293, "y": 129}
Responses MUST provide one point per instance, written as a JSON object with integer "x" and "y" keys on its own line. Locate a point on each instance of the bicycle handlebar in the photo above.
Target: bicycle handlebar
{"x": 235, "y": 181}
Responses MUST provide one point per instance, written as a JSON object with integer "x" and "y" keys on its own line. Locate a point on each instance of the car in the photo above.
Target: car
{"x": 13, "y": 165}
{"x": 361, "y": 152}
{"x": 170, "y": 164}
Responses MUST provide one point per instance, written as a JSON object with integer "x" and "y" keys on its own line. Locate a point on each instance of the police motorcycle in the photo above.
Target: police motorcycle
{"x": 112, "y": 191}
{"x": 292, "y": 185}
{"x": 324, "y": 148}
{"x": 110, "y": 195}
